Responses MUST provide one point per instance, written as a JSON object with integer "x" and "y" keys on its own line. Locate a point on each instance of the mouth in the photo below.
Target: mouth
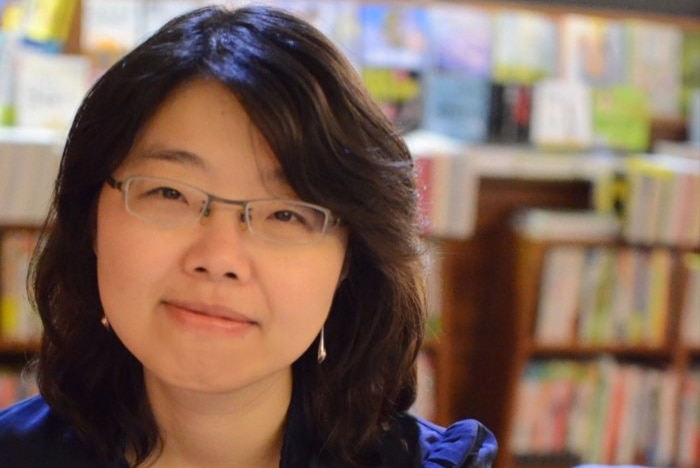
{"x": 207, "y": 317}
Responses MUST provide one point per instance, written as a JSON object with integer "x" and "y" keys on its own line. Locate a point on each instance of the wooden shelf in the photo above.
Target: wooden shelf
{"x": 576, "y": 350}
{"x": 9, "y": 347}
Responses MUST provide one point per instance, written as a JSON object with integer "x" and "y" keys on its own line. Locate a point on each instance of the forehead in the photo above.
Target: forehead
{"x": 201, "y": 125}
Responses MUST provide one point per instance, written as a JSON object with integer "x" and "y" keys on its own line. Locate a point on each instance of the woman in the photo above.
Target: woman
{"x": 228, "y": 276}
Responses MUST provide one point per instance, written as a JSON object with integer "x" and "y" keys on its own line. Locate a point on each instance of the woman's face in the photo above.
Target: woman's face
{"x": 210, "y": 306}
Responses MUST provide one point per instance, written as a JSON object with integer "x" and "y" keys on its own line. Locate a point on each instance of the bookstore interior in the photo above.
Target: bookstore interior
{"x": 557, "y": 150}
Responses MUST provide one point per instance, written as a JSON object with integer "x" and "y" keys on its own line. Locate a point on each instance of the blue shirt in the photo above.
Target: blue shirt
{"x": 34, "y": 436}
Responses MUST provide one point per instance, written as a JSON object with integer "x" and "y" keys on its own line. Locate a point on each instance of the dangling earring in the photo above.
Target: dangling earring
{"x": 321, "y": 348}
{"x": 105, "y": 322}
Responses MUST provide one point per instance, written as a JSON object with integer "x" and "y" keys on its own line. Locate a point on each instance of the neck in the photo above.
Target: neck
{"x": 244, "y": 428}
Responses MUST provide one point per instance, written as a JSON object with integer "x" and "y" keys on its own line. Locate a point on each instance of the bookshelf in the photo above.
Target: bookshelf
{"x": 29, "y": 160}
{"x": 477, "y": 335}
{"x": 666, "y": 360}
{"x": 479, "y": 350}
{"x": 490, "y": 286}
{"x": 19, "y": 326}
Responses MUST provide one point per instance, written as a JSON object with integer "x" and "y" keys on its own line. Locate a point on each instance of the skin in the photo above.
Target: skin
{"x": 216, "y": 315}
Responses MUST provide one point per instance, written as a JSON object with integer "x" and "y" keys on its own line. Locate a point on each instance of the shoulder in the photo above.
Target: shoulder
{"x": 464, "y": 444}
{"x": 32, "y": 435}
{"x": 26, "y": 420}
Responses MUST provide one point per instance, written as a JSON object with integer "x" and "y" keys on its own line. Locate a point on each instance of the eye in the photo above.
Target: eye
{"x": 167, "y": 193}
{"x": 288, "y": 216}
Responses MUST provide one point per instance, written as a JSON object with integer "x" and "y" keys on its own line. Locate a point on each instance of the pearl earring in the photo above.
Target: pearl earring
{"x": 104, "y": 322}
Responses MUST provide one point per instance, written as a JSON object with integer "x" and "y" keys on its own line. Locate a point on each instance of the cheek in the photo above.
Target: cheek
{"x": 301, "y": 292}
{"x": 114, "y": 268}
{"x": 123, "y": 259}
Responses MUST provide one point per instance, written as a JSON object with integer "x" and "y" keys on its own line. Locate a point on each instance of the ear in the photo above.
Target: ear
{"x": 346, "y": 267}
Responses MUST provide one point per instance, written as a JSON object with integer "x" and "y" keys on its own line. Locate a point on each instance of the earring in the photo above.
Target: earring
{"x": 321, "y": 348}
{"x": 105, "y": 322}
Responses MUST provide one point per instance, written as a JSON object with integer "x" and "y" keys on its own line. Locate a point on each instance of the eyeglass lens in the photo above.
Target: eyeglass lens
{"x": 172, "y": 203}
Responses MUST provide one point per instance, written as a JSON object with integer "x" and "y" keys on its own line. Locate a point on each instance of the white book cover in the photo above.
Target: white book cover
{"x": 561, "y": 114}
{"x": 524, "y": 47}
{"x": 559, "y": 297}
{"x": 9, "y": 46}
{"x": 50, "y": 103}
{"x": 111, "y": 25}
{"x": 655, "y": 64}
{"x": 28, "y": 166}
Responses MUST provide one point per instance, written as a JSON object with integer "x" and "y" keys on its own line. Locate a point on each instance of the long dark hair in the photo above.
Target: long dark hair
{"x": 335, "y": 147}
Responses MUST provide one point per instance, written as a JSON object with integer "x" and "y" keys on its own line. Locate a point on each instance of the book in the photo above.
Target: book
{"x": 558, "y": 306}
{"x": 394, "y": 36}
{"x": 434, "y": 289}
{"x": 690, "y": 71}
{"x": 509, "y": 111}
{"x": 447, "y": 184}
{"x": 662, "y": 203}
{"x": 625, "y": 419}
{"x": 568, "y": 225}
{"x": 592, "y": 50}
{"x": 340, "y": 20}
{"x": 452, "y": 49}
{"x": 448, "y": 188}
{"x": 18, "y": 320}
{"x": 655, "y": 64}
{"x": 622, "y": 301}
{"x": 525, "y": 412}
{"x": 111, "y": 25}
{"x": 29, "y": 160}
{"x": 108, "y": 29}
{"x": 9, "y": 48}
{"x": 457, "y": 105}
{"x": 524, "y": 47}
{"x": 49, "y": 103}
{"x": 688, "y": 449}
{"x": 394, "y": 57}
{"x": 690, "y": 305}
{"x": 561, "y": 115}
{"x": 621, "y": 118}
{"x": 594, "y": 296}
{"x": 48, "y": 23}
{"x": 399, "y": 93}
{"x": 600, "y": 411}
{"x": 660, "y": 271}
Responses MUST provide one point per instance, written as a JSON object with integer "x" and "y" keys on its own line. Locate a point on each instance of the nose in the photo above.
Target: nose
{"x": 219, "y": 248}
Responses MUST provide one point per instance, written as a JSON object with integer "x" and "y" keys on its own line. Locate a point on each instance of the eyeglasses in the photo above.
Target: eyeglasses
{"x": 171, "y": 203}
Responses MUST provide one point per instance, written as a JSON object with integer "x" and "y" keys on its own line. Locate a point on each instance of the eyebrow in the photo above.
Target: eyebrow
{"x": 275, "y": 175}
{"x": 178, "y": 156}
{"x": 189, "y": 158}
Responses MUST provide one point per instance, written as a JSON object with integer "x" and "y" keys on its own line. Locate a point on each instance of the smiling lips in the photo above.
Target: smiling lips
{"x": 208, "y": 318}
